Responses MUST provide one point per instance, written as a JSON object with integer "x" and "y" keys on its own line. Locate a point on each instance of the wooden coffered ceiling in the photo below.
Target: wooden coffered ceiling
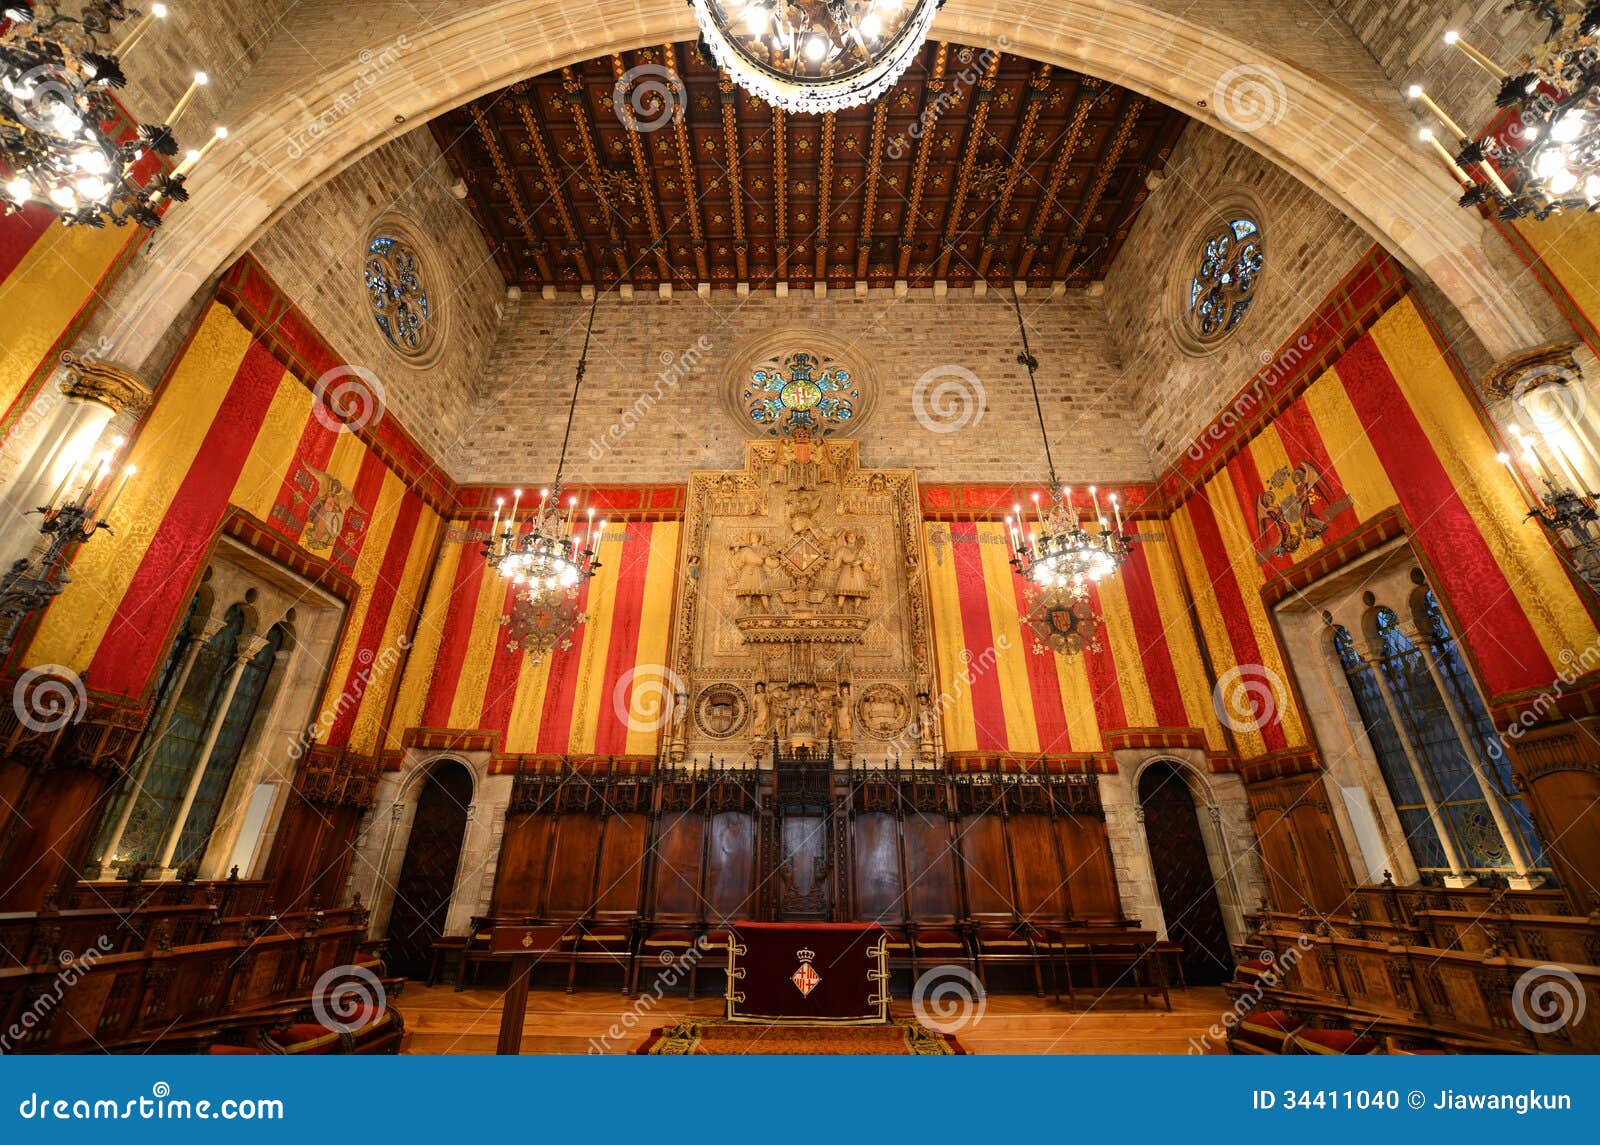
{"x": 974, "y": 164}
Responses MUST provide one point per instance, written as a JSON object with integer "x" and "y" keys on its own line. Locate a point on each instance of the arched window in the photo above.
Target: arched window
{"x": 1439, "y": 756}
{"x": 1231, "y": 257}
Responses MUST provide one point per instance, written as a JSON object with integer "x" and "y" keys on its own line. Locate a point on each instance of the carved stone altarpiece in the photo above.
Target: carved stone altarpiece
{"x": 803, "y": 610}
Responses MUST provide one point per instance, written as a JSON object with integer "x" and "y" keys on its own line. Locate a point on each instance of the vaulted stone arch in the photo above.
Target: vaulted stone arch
{"x": 1331, "y": 118}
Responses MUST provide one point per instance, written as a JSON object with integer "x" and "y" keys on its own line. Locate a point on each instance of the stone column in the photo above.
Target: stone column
{"x": 75, "y": 412}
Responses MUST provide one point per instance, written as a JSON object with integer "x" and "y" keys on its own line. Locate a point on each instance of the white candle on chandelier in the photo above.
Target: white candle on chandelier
{"x": 1116, "y": 511}
{"x": 1094, "y": 497}
{"x": 105, "y": 510}
{"x": 94, "y": 480}
{"x": 136, "y": 33}
{"x": 572, "y": 507}
{"x": 1454, "y": 39}
{"x": 588, "y": 531}
{"x": 200, "y": 80}
{"x": 1415, "y": 92}
{"x": 194, "y": 157}
{"x": 1427, "y": 136}
{"x": 1038, "y": 512}
{"x": 494, "y": 527}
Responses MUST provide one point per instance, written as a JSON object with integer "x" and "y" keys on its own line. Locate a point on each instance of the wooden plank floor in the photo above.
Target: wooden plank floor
{"x": 441, "y": 1021}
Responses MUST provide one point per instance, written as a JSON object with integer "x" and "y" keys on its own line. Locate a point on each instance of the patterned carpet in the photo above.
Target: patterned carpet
{"x": 727, "y": 1038}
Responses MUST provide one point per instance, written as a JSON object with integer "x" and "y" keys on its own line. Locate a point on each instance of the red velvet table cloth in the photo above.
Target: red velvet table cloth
{"x": 816, "y": 972}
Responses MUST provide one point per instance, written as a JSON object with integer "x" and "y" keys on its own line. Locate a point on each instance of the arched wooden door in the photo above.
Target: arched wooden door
{"x": 1183, "y": 875}
{"x": 428, "y": 874}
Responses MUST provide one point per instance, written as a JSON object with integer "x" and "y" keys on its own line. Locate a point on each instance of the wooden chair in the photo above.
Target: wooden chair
{"x": 661, "y": 946}
{"x": 602, "y": 942}
{"x": 1006, "y": 944}
{"x": 937, "y": 946}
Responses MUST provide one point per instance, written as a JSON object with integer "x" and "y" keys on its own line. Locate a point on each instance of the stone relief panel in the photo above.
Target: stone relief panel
{"x": 803, "y": 619}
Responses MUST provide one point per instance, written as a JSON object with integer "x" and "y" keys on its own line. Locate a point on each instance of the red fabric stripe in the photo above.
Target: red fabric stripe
{"x": 1049, "y": 710}
{"x": 314, "y": 449}
{"x": 381, "y": 601}
{"x": 504, "y": 669}
{"x": 134, "y": 640}
{"x": 1247, "y": 487}
{"x": 561, "y": 688}
{"x": 1151, "y": 636}
{"x": 457, "y": 635}
{"x": 988, "y": 707}
{"x": 357, "y": 524}
{"x": 1492, "y": 622}
{"x": 1104, "y": 687}
{"x": 19, "y": 233}
{"x": 611, "y": 732}
{"x": 1230, "y": 602}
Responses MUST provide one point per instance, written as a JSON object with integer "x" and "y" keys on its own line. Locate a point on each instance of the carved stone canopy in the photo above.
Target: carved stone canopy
{"x": 90, "y": 379}
{"x": 1553, "y": 362}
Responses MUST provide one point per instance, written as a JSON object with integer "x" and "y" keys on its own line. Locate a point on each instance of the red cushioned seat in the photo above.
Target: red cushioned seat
{"x": 947, "y": 941}
{"x": 608, "y": 940}
{"x": 1009, "y": 945}
{"x": 306, "y": 1038}
{"x": 1264, "y": 1032}
{"x": 1344, "y": 1042}
{"x": 219, "y": 1050}
{"x": 1254, "y": 969}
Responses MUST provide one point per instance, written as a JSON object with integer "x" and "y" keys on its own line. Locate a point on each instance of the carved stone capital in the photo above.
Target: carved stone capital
{"x": 89, "y": 379}
{"x": 1551, "y": 363}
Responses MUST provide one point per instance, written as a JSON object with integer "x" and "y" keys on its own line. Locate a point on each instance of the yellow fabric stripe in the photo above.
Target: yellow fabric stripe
{"x": 164, "y": 452}
{"x": 1486, "y": 488}
{"x": 368, "y": 564}
{"x": 1083, "y": 725}
{"x": 1360, "y": 474}
{"x": 589, "y": 702}
{"x": 1126, "y": 655}
{"x": 960, "y": 729}
{"x": 1185, "y": 653}
{"x": 264, "y": 470}
{"x": 389, "y": 656}
{"x": 1010, "y": 655}
{"x": 1569, "y": 244}
{"x": 418, "y": 679}
{"x": 1251, "y": 578}
{"x": 44, "y": 292}
{"x": 1223, "y": 656}
{"x": 655, "y": 620}
{"x": 348, "y": 455}
{"x": 466, "y": 706}
{"x": 527, "y": 708}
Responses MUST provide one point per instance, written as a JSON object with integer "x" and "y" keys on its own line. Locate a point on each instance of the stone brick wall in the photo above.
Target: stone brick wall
{"x": 1309, "y": 247}
{"x": 516, "y": 432}
{"x": 1406, "y": 38}
{"x": 316, "y": 253}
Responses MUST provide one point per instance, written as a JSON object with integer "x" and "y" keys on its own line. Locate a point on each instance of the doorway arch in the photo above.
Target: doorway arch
{"x": 427, "y": 879}
{"x": 1181, "y": 862}
{"x": 1325, "y": 128}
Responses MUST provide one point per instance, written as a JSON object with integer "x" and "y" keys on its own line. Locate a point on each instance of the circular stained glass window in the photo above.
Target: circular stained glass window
{"x": 1223, "y": 287}
{"x": 398, "y": 295}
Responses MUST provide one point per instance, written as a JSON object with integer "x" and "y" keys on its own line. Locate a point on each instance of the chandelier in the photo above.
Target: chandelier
{"x": 57, "y": 117}
{"x": 545, "y": 559}
{"x": 1546, "y": 157}
{"x": 815, "y": 55}
{"x": 1058, "y": 558}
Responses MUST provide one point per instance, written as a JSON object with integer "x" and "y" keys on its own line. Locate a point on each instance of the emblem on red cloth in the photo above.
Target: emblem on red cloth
{"x": 806, "y": 978}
